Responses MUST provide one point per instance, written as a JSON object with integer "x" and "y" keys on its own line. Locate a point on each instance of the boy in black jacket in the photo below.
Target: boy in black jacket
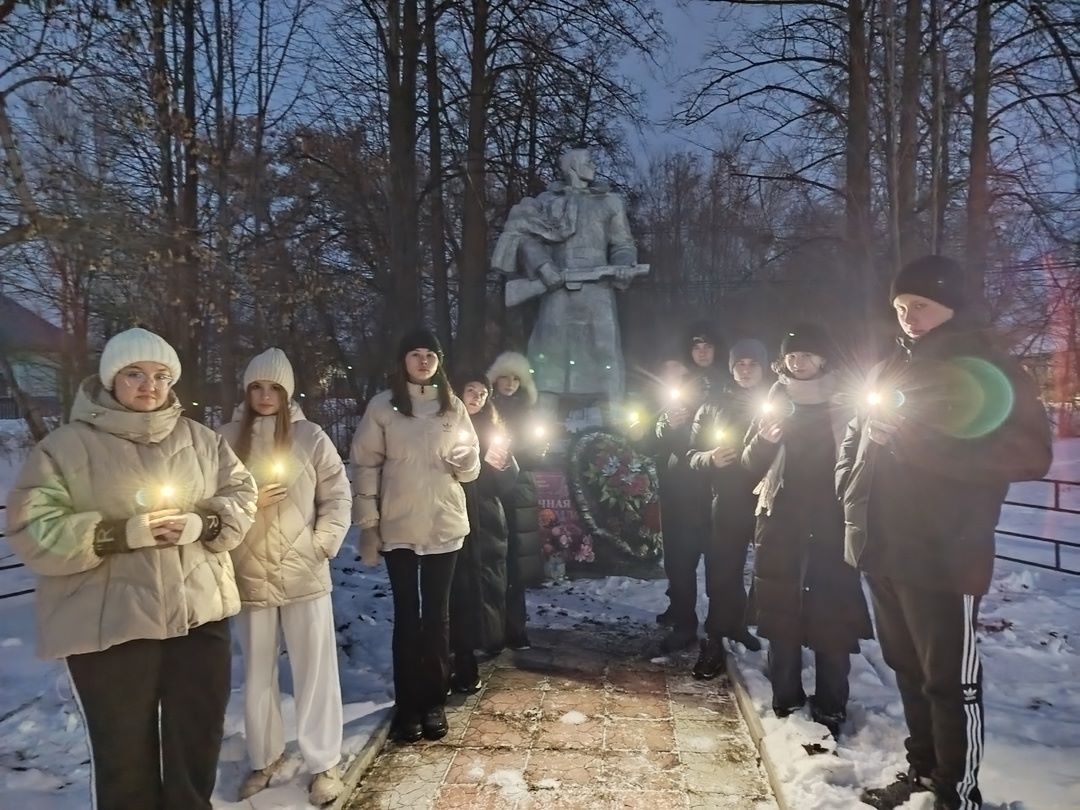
{"x": 950, "y": 421}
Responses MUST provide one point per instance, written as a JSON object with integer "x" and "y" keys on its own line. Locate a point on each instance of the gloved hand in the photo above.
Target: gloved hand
{"x": 370, "y": 543}
{"x": 463, "y": 457}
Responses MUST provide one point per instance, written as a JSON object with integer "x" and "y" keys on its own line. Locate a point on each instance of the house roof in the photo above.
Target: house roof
{"x": 23, "y": 330}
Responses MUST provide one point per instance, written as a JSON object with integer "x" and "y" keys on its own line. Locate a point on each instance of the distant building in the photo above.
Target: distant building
{"x": 30, "y": 349}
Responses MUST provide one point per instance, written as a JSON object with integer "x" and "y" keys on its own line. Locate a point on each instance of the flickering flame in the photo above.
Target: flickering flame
{"x": 873, "y": 399}
{"x": 167, "y": 492}
{"x": 463, "y": 435}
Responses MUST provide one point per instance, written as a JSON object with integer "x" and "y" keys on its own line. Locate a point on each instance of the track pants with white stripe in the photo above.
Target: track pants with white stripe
{"x": 928, "y": 638}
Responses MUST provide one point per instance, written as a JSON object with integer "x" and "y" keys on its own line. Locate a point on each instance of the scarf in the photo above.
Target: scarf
{"x": 798, "y": 392}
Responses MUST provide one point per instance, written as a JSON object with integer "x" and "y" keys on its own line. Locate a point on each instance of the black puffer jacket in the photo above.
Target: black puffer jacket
{"x": 478, "y": 595}
{"x": 725, "y": 419}
{"x": 521, "y": 504}
{"x": 923, "y": 509}
{"x": 802, "y": 590}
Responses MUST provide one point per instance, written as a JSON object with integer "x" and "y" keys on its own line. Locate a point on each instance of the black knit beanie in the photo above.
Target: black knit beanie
{"x": 935, "y": 277}
{"x": 807, "y": 337}
{"x": 421, "y": 338}
{"x": 471, "y": 375}
{"x": 702, "y": 331}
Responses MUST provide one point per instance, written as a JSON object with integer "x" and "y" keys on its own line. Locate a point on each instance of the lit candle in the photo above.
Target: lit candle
{"x": 873, "y": 399}
{"x": 674, "y": 394}
{"x": 498, "y": 440}
{"x": 167, "y": 493}
{"x": 539, "y": 432}
{"x": 719, "y": 435}
{"x": 633, "y": 417}
{"x": 463, "y": 435}
{"x": 767, "y": 408}
{"x": 277, "y": 469}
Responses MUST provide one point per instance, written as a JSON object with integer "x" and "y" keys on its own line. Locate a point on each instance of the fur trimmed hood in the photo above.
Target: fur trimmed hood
{"x": 518, "y": 365}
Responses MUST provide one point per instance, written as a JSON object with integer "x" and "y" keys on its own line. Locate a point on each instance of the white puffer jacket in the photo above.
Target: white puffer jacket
{"x": 110, "y": 464}
{"x": 402, "y": 480}
{"x": 285, "y": 557}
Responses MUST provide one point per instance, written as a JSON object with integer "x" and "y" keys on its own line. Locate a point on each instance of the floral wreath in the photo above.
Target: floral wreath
{"x": 617, "y": 494}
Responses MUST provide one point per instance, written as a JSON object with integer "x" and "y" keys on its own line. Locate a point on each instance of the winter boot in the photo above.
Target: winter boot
{"x": 258, "y": 779}
{"x": 466, "y": 676}
{"x": 664, "y": 619}
{"x": 325, "y": 787}
{"x": 748, "y": 640}
{"x": 406, "y": 727}
{"x": 434, "y": 723}
{"x": 679, "y": 639}
{"x": 710, "y": 662}
{"x": 897, "y": 793}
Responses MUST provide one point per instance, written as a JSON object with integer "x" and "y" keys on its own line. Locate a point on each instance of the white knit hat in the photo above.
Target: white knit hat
{"x": 271, "y": 365}
{"x": 136, "y": 346}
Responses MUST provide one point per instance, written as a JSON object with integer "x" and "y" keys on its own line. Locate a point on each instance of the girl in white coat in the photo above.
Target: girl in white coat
{"x": 412, "y": 451}
{"x": 283, "y": 573}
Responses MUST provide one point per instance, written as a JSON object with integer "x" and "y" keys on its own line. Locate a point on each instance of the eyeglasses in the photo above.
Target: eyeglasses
{"x": 136, "y": 378}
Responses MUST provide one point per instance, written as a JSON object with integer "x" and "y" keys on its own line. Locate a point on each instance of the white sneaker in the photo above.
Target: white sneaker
{"x": 326, "y": 787}
{"x": 258, "y": 780}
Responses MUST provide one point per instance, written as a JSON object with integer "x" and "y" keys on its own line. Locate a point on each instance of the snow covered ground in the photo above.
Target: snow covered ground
{"x": 1029, "y": 643}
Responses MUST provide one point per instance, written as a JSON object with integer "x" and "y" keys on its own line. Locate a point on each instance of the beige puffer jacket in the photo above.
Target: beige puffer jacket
{"x": 109, "y": 463}
{"x": 401, "y": 480}
{"x": 285, "y": 557}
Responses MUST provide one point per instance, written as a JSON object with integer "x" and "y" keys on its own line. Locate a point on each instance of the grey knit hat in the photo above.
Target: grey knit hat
{"x": 748, "y": 349}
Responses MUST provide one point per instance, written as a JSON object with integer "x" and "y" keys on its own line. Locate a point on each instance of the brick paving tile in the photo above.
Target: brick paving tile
{"x": 582, "y": 725}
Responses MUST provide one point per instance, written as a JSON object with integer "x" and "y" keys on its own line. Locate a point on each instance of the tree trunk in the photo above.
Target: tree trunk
{"x": 402, "y": 58}
{"x": 978, "y": 202}
{"x": 472, "y": 265}
{"x": 439, "y": 269}
{"x": 892, "y": 181}
{"x": 906, "y": 172}
{"x": 857, "y": 185}
{"x": 939, "y": 172}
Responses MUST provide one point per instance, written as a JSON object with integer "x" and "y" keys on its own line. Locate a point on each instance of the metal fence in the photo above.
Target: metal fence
{"x": 1058, "y": 545}
{"x": 9, "y": 563}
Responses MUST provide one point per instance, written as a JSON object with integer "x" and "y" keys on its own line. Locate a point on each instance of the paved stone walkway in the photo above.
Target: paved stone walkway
{"x": 578, "y": 722}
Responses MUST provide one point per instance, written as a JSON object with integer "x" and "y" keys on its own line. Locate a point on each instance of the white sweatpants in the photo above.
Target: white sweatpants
{"x": 310, "y": 639}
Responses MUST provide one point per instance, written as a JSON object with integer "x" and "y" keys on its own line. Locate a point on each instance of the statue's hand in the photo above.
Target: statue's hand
{"x": 551, "y": 276}
{"x": 623, "y": 276}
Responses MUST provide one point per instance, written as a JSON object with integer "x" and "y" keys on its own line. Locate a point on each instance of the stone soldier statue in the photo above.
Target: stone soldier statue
{"x": 572, "y": 246}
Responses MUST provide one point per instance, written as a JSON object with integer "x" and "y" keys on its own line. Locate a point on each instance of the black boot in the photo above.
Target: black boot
{"x": 434, "y": 723}
{"x": 897, "y": 793}
{"x": 466, "y": 676}
{"x": 406, "y": 727}
{"x": 710, "y": 662}
{"x": 664, "y": 619}
{"x": 679, "y": 639}
{"x": 748, "y": 640}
